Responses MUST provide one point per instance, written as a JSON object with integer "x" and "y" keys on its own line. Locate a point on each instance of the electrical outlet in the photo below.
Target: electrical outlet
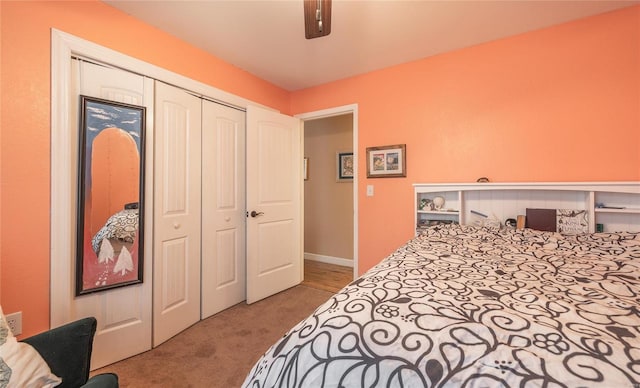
{"x": 15, "y": 322}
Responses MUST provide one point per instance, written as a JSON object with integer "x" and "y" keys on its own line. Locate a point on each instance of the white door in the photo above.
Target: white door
{"x": 123, "y": 314}
{"x": 223, "y": 207}
{"x": 176, "y": 271}
{"x": 274, "y": 203}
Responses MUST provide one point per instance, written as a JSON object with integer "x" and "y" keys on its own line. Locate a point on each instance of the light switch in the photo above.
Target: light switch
{"x": 369, "y": 190}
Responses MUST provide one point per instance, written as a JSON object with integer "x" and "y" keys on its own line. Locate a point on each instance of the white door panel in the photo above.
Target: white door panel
{"x": 177, "y": 212}
{"x": 223, "y": 208}
{"x": 123, "y": 314}
{"x": 274, "y": 203}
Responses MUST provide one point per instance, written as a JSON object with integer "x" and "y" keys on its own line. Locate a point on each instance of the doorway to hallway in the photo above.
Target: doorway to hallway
{"x": 329, "y": 227}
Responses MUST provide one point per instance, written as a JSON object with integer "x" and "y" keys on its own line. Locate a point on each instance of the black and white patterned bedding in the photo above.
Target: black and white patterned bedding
{"x": 464, "y": 306}
{"x": 122, "y": 226}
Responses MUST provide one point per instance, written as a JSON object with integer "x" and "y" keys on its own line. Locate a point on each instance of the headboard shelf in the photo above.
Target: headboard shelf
{"x": 613, "y": 205}
{"x": 622, "y": 210}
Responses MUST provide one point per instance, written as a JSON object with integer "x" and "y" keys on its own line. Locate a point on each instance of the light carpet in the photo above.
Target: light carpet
{"x": 221, "y": 350}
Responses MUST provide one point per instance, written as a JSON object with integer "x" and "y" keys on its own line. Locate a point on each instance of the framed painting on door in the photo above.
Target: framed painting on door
{"x": 110, "y": 195}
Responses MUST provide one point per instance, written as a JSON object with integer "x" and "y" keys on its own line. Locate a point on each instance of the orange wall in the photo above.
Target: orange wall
{"x": 559, "y": 104}
{"x": 25, "y": 124}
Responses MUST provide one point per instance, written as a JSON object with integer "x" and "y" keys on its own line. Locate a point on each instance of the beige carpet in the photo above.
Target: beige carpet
{"x": 219, "y": 351}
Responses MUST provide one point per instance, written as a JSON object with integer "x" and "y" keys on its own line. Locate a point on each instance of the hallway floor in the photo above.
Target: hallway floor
{"x": 328, "y": 277}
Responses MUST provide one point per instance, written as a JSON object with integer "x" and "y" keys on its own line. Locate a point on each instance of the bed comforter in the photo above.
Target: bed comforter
{"x": 464, "y": 306}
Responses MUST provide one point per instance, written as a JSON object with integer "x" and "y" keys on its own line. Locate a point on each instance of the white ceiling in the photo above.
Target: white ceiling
{"x": 266, "y": 37}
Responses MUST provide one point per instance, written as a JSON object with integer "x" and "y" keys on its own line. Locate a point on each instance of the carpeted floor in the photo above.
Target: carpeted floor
{"x": 219, "y": 351}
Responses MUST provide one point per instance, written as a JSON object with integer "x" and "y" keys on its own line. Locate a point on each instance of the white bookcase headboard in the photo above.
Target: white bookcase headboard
{"x": 614, "y": 205}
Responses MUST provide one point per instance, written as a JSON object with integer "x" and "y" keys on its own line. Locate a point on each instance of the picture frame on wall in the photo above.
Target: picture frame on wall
{"x": 387, "y": 161}
{"x": 345, "y": 166}
{"x": 305, "y": 168}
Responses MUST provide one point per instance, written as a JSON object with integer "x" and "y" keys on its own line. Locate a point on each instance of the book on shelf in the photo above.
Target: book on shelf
{"x": 541, "y": 219}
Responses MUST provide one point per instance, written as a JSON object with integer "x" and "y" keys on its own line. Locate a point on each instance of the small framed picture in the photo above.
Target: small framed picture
{"x": 387, "y": 161}
{"x": 305, "y": 168}
{"x": 345, "y": 166}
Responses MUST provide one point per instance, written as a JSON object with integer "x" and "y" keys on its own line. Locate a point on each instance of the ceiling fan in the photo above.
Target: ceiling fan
{"x": 317, "y": 18}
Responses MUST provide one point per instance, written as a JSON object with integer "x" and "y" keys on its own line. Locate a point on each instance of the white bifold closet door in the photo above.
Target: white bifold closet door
{"x": 223, "y": 207}
{"x": 177, "y": 212}
{"x": 199, "y": 231}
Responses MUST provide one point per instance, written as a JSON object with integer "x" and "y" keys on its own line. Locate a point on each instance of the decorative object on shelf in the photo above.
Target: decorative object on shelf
{"x": 306, "y": 168}
{"x": 479, "y": 214}
{"x": 486, "y": 221}
{"x": 510, "y": 223}
{"x": 386, "y": 161}
{"x": 571, "y": 221}
{"x": 425, "y": 204}
{"x": 345, "y": 166}
{"x": 438, "y": 202}
{"x": 600, "y": 205}
{"x": 483, "y": 180}
{"x": 110, "y": 210}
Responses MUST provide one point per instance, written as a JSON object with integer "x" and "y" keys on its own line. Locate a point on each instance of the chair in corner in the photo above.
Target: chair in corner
{"x": 67, "y": 351}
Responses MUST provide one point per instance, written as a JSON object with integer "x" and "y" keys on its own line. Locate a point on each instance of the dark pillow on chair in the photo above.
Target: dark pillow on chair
{"x": 67, "y": 350}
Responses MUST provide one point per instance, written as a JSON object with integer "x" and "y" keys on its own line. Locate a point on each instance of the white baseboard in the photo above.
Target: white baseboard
{"x": 329, "y": 259}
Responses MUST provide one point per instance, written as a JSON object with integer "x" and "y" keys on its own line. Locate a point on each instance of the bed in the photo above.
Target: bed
{"x": 475, "y": 306}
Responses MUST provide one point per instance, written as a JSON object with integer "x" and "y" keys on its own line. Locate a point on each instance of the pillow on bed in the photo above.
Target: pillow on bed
{"x": 20, "y": 364}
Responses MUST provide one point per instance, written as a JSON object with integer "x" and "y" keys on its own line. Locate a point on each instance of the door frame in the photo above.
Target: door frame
{"x": 339, "y": 111}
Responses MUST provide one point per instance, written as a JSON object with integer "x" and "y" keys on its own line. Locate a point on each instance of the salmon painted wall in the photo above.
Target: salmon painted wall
{"x": 25, "y": 124}
{"x": 558, "y": 104}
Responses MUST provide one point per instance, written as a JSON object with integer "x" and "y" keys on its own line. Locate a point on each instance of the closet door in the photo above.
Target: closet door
{"x": 176, "y": 280}
{"x": 223, "y": 207}
{"x": 123, "y": 314}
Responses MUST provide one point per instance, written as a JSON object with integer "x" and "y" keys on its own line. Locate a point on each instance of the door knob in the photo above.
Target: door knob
{"x": 255, "y": 213}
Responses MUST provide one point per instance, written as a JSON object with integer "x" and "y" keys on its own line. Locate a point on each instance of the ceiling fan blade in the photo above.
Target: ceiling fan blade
{"x": 317, "y": 18}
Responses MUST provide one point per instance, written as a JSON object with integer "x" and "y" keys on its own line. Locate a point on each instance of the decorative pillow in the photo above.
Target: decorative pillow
{"x": 20, "y": 364}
